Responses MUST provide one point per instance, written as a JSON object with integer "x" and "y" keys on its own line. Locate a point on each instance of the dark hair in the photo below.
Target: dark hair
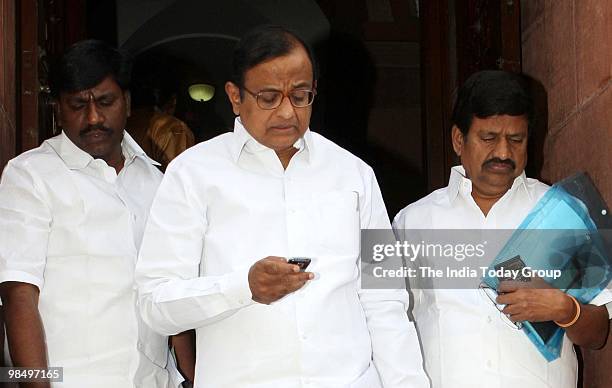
{"x": 263, "y": 43}
{"x": 489, "y": 93}
{"x": 86, "y": 63}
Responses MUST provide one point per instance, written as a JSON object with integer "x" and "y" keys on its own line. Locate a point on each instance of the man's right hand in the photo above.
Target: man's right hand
{"x": 272, "y": 278}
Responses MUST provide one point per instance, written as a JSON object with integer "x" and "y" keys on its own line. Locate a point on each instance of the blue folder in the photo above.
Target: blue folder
{"x": 568, "y": 229}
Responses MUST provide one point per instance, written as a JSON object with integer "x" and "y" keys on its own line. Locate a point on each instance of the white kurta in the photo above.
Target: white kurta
{"x": 465, "y": 342}
{"x": 228, "y": 202}
{"x": 71, "y": 226}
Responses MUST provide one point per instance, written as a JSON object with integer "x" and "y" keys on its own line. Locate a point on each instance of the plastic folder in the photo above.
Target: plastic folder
{"x": 568, "y": 229}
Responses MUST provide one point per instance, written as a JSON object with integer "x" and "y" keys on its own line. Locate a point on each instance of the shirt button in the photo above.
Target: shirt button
{"x": 489, "y": 320}
{"x": 489, "y": 364}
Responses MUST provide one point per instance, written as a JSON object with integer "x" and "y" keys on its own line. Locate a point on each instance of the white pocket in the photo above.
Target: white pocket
{"x": 336, "y": 219}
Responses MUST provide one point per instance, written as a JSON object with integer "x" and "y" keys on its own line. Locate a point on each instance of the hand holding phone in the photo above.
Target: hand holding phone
{"x": 271, "y": 278}
{"x": 302, "y": 262}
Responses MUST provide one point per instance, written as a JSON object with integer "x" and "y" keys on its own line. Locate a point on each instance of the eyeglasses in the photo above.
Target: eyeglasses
{"x": 492, "y": 295}
{"x": 271, "y": 99}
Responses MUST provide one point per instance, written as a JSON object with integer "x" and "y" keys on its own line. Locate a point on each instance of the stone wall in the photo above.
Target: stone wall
{"x": 567, "y": 46}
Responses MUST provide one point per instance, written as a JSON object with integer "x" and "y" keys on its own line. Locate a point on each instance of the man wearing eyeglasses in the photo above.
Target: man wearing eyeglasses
{"x": 466, "y": 342}
{"x": 232, "y": 211}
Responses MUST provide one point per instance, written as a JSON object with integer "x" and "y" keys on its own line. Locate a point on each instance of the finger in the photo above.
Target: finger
{"x": 290, "y": 268}
{"x": 538, "y": 282}
{"x": 514, "y": 312}
{"x": 296, "y": 281}
{"x": 300, "y": 276}
{"x": 276, "y": 258}
{"x": 519, "y": 317}
{"x": 512, "y": 309}
{"x": 514, "y": 317}
{"x": 295, "y": 285}
{"x": 509, "y": 286}
{"x": 507, "y": 298}
{"x": 273, "y": 266}
{"x": 306, "y": 275}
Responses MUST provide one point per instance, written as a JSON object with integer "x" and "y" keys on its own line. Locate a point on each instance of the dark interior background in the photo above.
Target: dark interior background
{"x": 369, "y": 58}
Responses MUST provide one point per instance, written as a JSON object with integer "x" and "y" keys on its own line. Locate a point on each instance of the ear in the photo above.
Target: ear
{"x": 128, "y": 102}
{"x": 457, "y": 139}
{"x": 233, "y": 94}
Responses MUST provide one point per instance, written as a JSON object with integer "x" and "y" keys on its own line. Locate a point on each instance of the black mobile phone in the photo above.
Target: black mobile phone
{"x": 513, "y": 264}
{"x": 302, "y": 262}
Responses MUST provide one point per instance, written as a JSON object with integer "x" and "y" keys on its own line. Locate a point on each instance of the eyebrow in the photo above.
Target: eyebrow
{"x": 81, "y": 99}
{"x": 299, "y": 85}
{"x": 303, "y": 84}
{"x": 492, "y": 133}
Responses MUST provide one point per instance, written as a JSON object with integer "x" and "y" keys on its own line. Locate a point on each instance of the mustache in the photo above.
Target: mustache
{"x": 508, "y": 162}
{"x": 91, "y": 128}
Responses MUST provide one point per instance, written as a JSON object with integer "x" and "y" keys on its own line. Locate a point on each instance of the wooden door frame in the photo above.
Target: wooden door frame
{"x": 436, "y": 89}
{"x": 29, "y": 88}
{"x": 451, "y": 50}
{"x": 8, "y": 101}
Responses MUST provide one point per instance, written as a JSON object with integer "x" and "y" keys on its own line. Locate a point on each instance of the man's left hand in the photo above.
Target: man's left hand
{"x": 534, "y": 301}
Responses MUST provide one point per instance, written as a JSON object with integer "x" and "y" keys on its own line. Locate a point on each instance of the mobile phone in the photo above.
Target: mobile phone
{"x": 302, "y": 262}
{"x": 513, "y": 264}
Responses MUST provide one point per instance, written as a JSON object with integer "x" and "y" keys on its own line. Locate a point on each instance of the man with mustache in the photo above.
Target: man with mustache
{"x": 466, "y": 341}
{"x": 229, "y": 214}
{"x": 72, "y": 214}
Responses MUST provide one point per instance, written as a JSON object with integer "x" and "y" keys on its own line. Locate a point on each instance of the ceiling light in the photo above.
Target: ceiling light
{"x": 201, "y": 92}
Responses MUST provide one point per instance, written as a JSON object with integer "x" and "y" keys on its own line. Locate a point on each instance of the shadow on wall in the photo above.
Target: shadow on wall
{"x": 535, "y": 150}
{"x": 346, "y": 97}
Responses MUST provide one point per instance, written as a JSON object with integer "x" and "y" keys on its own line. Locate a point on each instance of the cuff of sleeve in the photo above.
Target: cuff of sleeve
{"x": 604, "y": 298}
{"x": 21, "y": 276}
{"x": 236, "y": 288}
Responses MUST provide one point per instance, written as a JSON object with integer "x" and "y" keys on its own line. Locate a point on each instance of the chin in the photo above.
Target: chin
{"x": 506, "y": 184}
{"x": 497, "y": 179}
{"x": 282, "y": 144}
{"x": 98, "y": 152}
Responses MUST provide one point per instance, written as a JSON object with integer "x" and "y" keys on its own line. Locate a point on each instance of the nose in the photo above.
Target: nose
{"x": 94, "y": 116}
{"x": 285, "y": 109}
{"x": 502, "y": 149}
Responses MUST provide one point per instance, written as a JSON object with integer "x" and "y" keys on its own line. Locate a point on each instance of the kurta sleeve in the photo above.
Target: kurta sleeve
{"x": 25, "y": 224}
{"x": 395, "y": 344}
{"x": 173, "y": 297}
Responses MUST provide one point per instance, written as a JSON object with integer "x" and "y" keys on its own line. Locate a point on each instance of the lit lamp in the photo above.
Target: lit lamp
{"x": 201, "y": 92}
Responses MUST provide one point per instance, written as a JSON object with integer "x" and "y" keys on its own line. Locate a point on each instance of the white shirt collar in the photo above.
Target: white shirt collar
{"x": 243, "y": 139}
{"x": 76, "y": 158}
{"x": 458, "y": 179}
